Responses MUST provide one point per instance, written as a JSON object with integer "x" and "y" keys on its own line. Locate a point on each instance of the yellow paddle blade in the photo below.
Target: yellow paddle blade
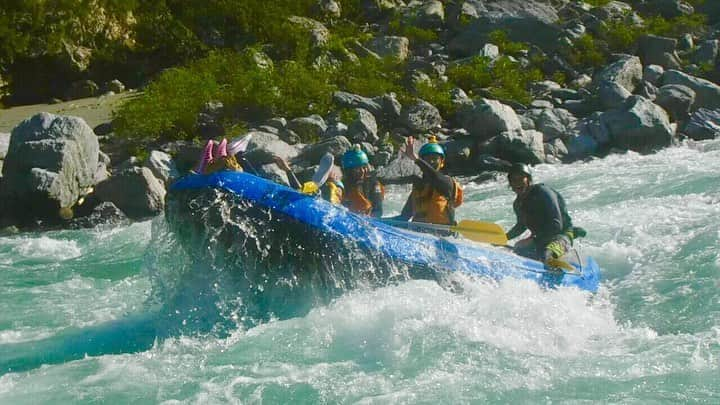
{"x": 486, "y": 232}
{"x": 562, "y": 264}
{"x": 310, "y": 187}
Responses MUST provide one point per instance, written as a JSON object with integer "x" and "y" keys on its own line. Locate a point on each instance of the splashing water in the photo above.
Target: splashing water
{"x": 651, "y": 334}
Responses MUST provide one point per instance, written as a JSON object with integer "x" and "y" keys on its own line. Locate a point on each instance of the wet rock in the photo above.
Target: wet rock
{"x": 50, "y": 161}
{"x": 677, "y": 100}
{"x": 488, "y": 118}
{"x": 105, "y": 213}
{"x": 420, "y": 117}
{"x": 703, "y": 124}
{"x": 162, "y": 166}
{"x": 136, "y": 191}
{"x": 640, "y": 125}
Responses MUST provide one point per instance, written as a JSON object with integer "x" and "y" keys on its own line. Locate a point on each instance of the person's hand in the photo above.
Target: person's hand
{"x": 409, "y": 151}
{"x": 281, "y": 163}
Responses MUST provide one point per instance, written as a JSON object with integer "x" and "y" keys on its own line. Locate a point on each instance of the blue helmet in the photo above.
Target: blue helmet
{"x": 354, "y": 157}
{"x": 432, "y": 147}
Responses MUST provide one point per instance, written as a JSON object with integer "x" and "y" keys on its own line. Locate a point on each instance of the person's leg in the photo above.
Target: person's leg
{"x": 526, "y": 248}
{"x": 556, "y": 248}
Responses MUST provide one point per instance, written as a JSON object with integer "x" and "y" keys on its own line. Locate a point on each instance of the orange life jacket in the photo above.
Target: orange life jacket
{"x": 429, "y": 206}
{"x": 355, "y": 200}
{"x": 334, "y": 192}
{"x": 223, "y": 163}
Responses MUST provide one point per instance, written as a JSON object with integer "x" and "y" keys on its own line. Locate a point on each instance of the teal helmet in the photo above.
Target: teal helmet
{"x": 354, "y": 157}
{"x": 432, "y": 147}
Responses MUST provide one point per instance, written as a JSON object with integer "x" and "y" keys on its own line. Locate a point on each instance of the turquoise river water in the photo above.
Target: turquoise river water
{"x": 650, "y": 335}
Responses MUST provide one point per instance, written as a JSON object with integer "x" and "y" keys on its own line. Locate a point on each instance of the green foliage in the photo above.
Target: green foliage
{"x": 678, "y": 26}
{"x": 503, "y": 77}
{"x": 370, "y": 77}
{"x": 597, "y": 3}
{"x": 438, "y": 94}
{"x": 506, "y": 46}
{"x": 586, "y": 52}
{"x": 413, "y": 33}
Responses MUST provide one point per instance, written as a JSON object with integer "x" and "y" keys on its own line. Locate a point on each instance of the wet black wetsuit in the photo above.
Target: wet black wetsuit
{"x": 542, "y": 210}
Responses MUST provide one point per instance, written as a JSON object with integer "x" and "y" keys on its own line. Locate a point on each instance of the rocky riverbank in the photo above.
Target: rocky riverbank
{"x": 64, "y": 171}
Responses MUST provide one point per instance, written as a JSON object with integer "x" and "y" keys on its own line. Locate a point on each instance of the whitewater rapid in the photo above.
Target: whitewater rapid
{"x": 652, "y": 332}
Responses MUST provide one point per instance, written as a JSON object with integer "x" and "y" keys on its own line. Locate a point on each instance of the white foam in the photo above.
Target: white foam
{"x": 45, "y": 249}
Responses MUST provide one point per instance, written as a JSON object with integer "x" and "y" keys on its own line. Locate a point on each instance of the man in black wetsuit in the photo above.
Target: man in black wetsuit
{"x": 542, "y": 210}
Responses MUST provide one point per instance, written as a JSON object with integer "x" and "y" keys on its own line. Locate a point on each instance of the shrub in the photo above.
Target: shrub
{"x": 503, "y": 77}
{"x": 505, "y": 45}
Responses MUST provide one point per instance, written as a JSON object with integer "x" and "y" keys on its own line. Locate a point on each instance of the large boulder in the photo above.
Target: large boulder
{"x": 487, "y": 118}
{"x": 554, "y": 123}
{"x": 264, "y": 146}
{"x": 105, "y": 213}
{"x": 677, "y": 100}
{"x": 349, "y": 100}
{"x": 308, "y": 128}
{"x": 587, "y": 137}
{"x": 51, "y": 162}
{"x": 703, "y": 124}
{"x": 655, "y": 50}
{"x": 524, "y": 146}
{"x": 397, "y": 48}
{"x": 640, "y": 125}
{"x": 626, "y": 72}
{"x": 335, "y": 146}
{"x": 707, "y": 93}
{"x": 4, "y": 144}
{"x": 528, "y": 21}
{"x": 612, "y": 94}
{"x": 420, "y": 116}
{"x": 318, "y": 34}
{"x": 364, "y": 128}
{"x": 399, "y": 171}
{"x": 428, "y": 14}
{"x": 136, "y": 191}
{"x": 161, "y": 165}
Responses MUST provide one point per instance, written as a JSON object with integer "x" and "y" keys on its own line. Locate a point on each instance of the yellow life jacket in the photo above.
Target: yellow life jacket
{"x": 223, "y": 163}
{"x": 335, "y": 192}
{"x": 429, "y": 206}
{"x": 355, "y": 200}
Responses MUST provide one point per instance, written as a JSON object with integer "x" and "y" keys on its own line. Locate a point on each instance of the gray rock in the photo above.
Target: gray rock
{"x": 582, "y": 146}
{"x": 566, "y": 94}
{"x": 397, "y": 48}
{"x": 677, "y": 100}
{"x": 612, "y": 94}
{"x": 105, "y": 213}
{"x": 50, "y": 162}
{"x": 703, "y": 124}
{"x": 264, "y": 146}
{"x": 461, "y": 14}
{"x": 105, "y": 128}
{"x": 4, "y": 144}
{"x": 336, "y": 129}
{"x": 581, "y": 81}
{"x": 647, "y": 90}
{"x": 541, "y": 104}
{"x": 488, "y": 118}
{"x": 707, "y": 93}
{"x": 528, "y": 21}
{"x": 116, "y": 86}
{"x": 707, "y": 52}
{"x": 273, "y": 173}
{"x": 420, "y": 117}
{"x": 526, "y": 122}
{"x": 162, "y": 166}
{"x": 525, "y": 146}
{"x": 653, "y": 73}
{"x": 399, "y": 171}
{"x": 290, "y": 137}
{"x": 277, "y": 122}
{"x": 545, "y": 86}
{"x": 556, "y": 148}
{"x": 101, "y": 173}
{"x": 428, "y": 14}
{"x": 329, "y": 8}
{"x": 655, "y": 50}
{"x": 349, "y": 100}
{"x": 209, "y": 126}
{"x": 308, "y": 128}
{"x": 82, "y": 89}
{"x": 335, "y": 146}
{"x": 459, "y": 98}
{"x": 670, "y": 8}
{"x": 554, "y": 123}
{"x": 391, "y": 107}
{"x": 490, "y": 51}
{"x": 640, "y": 125}
{"x": 626, "y": 72}
{"x": 364, "y": 128}
{"x": 136, "y": 191}
{"x": 382, "y": 158}
{"x": 318, "y": 33}
{"x": 132, "y": 161}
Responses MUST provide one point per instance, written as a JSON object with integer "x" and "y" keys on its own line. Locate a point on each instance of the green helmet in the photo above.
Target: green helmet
{"x": 354, "y": 157}
{"x": 520, "y": 168}
{"x": 432, "y": 147}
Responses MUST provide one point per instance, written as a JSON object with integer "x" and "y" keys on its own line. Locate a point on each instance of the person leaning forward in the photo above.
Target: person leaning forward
{"x": 542, "y": 210}
{"x": 435, "y": 195}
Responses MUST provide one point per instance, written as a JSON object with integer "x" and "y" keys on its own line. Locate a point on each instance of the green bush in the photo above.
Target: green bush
{"x": 503, "y": 77}
{"x": 505, "y": 45}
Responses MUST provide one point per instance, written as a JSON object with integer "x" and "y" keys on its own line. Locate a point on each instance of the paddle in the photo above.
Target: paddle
{"x": 321, "y": 175}
{"x": 486, "y": 232}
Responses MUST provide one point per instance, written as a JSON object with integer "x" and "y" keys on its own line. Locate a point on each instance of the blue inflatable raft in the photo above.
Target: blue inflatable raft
{"x": 424, "y": 255}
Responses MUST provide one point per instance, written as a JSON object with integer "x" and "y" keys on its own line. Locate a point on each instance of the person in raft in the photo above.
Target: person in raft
{"x": 331, "y": 191}
{"x": 364, "y": 194}
{"x": 435, "y": 195}
{"x": 221, "y": 156}
{"x": 542, "y": 210}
